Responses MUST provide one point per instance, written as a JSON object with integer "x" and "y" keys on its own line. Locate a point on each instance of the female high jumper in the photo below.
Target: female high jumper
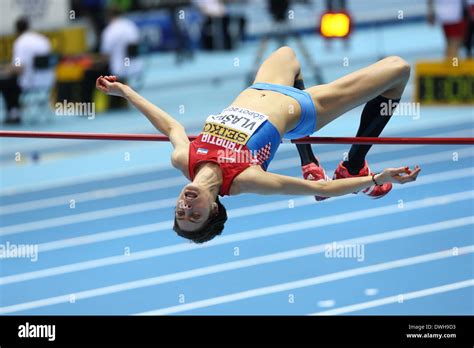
{"x": 231, "y": 154}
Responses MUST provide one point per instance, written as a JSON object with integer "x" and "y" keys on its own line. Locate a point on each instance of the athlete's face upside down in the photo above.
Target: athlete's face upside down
{"x": 194, "y": 206}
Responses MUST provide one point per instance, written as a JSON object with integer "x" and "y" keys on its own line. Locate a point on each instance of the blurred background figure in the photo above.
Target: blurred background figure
{"x": 215, "y": 27}
{"x": 183, "y": 49}
{"x": 281, "y": 32}
{"x": 211, "y": 8}
{"x": 120, "y": 54}
{"x": 450, "y": 14}
{"x": 19, "y": 76}
{"x": 218, "y": 30}
{"x": 94, "y": 11}
{"x": 119, "y": 42}
{"x": 165, "y": 33}
{"x": 469, "y": 40}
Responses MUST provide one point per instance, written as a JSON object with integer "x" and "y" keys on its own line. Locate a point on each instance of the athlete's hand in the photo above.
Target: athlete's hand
{"x": 400, "y": 175}
{"x": 110, "y": 86}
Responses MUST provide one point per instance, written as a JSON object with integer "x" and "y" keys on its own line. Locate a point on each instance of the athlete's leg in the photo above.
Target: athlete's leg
{"x": 378, "y": 84}
{"x": 387, "y": 77}
{"x": 310, "y": 166}
{"x": 453, "y": 45}
{"x": 280, "y": 68}
{"x": 377, "y": 111}
{"x": 283, "y": 68}
{"x": 375, "y": 116}
{"x": 304, "y": 150}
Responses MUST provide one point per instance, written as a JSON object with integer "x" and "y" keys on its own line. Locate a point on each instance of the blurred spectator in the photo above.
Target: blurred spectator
{"x": 449, "y": 13}
{"x": 120, "y": 46}
{"x": 182, "y": 47}
{"x": 469, "y": 40}
{"x": 20, "y": 75}
{"x": 211, "y": 8}
{"x": 279, "y": 11}
{"x": 116, "y": 39}
{"x": 281, "y": 32}
{"x": 216, "y": 30}
{"x": 95, "y": 11}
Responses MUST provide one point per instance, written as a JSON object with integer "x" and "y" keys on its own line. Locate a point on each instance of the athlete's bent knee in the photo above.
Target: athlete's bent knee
{"x": 401, "y": 67}
{"x": 288, "y": 51}
{"x": 289, "y": 56}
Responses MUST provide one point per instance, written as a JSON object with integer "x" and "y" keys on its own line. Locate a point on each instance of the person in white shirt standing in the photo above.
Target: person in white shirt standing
{"x": 119, "y": 34}
{"x": 19, "y": 76}
{"x": 450, "y": 14}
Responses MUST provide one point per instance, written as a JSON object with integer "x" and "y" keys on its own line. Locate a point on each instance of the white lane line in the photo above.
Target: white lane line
{"x": 393, "y": 162}
{"x": 114, "y": 260}
{"x": 107, "y": 236}
{"x": 169, "y": 202}
{"x": 395, "y": 299}
{"x": 238, "y": 212}
{"x": 155, "y": 168}
{"x": 62, "y": 183}
{"x": 92, "y": 195}
{"x": 326, "y": 303}
{"x": 267, "y": 290}
{"x": 89, "y": 216}
{"x": 303, "y": 201}
{"x": 371, "y": 291}
{"x": 173, "y": 249}
{"x": 199, "y": 272}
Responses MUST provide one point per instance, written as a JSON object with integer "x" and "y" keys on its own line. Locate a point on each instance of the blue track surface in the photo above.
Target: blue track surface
{"x": 115, "y": 253}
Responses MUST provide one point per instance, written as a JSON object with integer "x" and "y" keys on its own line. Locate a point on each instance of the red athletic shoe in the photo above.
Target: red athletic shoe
{"x": 374, "y": 191}
{"x": 313, "y": 172}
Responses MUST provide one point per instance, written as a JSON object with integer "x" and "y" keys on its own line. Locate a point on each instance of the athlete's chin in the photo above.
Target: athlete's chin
{"x": 196, "y": 195}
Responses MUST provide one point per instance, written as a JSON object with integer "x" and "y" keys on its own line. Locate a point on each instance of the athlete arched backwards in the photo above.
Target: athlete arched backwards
{"x": 233, "y": 151}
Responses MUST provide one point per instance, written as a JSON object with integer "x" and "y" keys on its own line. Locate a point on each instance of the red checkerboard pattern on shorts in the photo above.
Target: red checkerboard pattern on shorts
{"x": 262, "y": 155}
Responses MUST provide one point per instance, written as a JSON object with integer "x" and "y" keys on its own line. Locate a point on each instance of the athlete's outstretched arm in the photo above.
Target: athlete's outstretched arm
{"x": 162, "y": 121}
{"x": 270, "y": 183}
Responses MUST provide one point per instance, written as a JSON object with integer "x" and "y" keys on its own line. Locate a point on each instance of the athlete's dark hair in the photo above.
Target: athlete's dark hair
{"x": 213, "y": 226}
